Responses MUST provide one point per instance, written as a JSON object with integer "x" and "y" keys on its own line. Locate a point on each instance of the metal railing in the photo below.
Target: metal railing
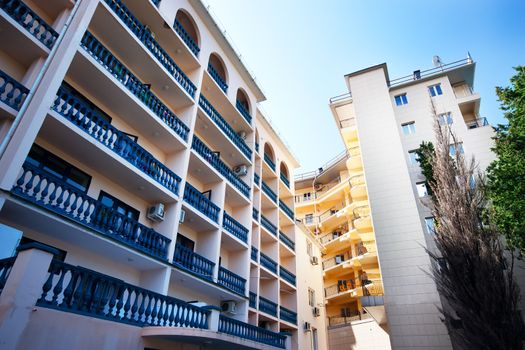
{"x": 234, "y": 227}
{"x": 477, "y": 123}
{"x": 342, "y": 286}
{"x": 188, "y": 260}
{"x": 200, "y": 202}
{"x": 337, "y": 260}
{"x": 268, "y": 262}
{"x": 218, "y": 79}
{"x": 255, "y": 214}
{"x": 256, "y": 179}
{"x": 341, "y": 97}
{"x": 188, "y": 40}
{"x": 325, "y": 167}
{"x": 285, "y": 180}
{"x": 12, "y": 93}
{"x": 267, "y": 306}
{"x": 231, "y": 281}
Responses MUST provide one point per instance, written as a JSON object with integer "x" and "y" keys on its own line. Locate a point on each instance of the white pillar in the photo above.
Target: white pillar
{"x": 213, "y": 317}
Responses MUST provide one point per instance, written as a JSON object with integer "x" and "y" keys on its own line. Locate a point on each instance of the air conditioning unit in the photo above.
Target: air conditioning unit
{"x": 230, "y": 307}
{"x": 316, "y": 311}
{"x": 182, "y": 216}
{"x": 240, "y": 170}
{"x": 307, "y": 327}
{"x": 242, "y": 134}
{"x": 156, "y": 212}
{"x": 314, "y": 260}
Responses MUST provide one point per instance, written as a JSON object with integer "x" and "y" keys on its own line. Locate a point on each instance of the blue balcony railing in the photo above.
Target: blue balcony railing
{"x": 247, "y": 331}
{"x": 183, "y": 34}
{"x": 286, "y": 240}
{"x": 256, "y": 179}
{"x": 134, "y": 85}
{"x": 269, "y": 161}
{"x": 268, "y": 225}
{"x": 254, "y": 253}
{"x": 146, "y": 38}
{"x": 5, "y": 268}
{"x": 156, "y": 2}
{"x": 12, "y": 93}
{"x": 266, "y": 189}
{"x": 219, "y": 165}
{"x": 255, "y": 214}
{"x": 28, "y": 19}
{"x": 286, "y": 275}
{"x": 267, "y": 306}
{"x": 225, "y": 127}
{"x": 200, "y": 202}
{"x": 253, "y": 300}
{"x": 52, "y": 193}
{"x": 268, "y": 262}
{"x": 79, "y": 290}
{"x": 90, "y": 120}
{"x": 256, "y": 146}
{"x": 188, "y": 260}
{"x": 285, "y": 180}
{"x": 244, "y": 111}
{"x": 287, "y": 315}
{"x": 286, "y": 209}
{"x": 218, "y": 79}
{"x": 231, "y": 281}
{"x": 234, "y": 227}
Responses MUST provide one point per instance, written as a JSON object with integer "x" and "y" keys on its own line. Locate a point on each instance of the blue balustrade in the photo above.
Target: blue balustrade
{"x": 90, "y": 120}
{"x": 255, "y": 214}
{"x": 133, "y": 84}
{"x": 247, "y": 331}
{"x": 286, "y": 240}
{"x": 268, "y": 225}
{"x": 219, "y": 165}
{"x": 254, "y": 253}
{"x": 200, "y": 202}
{"x": 5, "y": 269}
{"x": 183, "y": 34}
{"x": 256, "y": 179}
{"x": 256, "y": 146}
{"x": 218, "y": 79}
{"x": 253, "y": 300}
{"x": 79, "y": 290}
{"x": 286, "y": 209}
{"x": 268, "y": 262}
{"x": 231, "y": 281}
{"x": 267, "y": 306}
{"x": 285, "y": 180}
{"x": 234, "y": 227}
{"x": 52, "y": 193}
{"x": 244, "y": 111}
{"x": 28, "y": 19}
{"x": 156, "y": 2}
{"x": 145, "y": 36}
{"x": 286, "y": 275}
{"x": 12, "y": 93}
{"x": 225, "y": 127}
{"x": 188, "y": 260}
{"x": 287, "y": 315}
{"x": 269, "y": 161}
{"x": 266, "y": 189}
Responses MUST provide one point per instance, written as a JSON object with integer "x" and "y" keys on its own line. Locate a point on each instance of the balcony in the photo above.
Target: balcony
{"x": 200, "y": 202}
{"x": 286, "y": 240}
{"x": 81, "y": 113}
{"x": 269, "y": 161}
{"x": 219, "y": 165}
{"x": 268, "y": 225}
{"x": 222, "y": 84}
{"x": 234, "y": 227}
{"x": 266, "y": 189}
{"x": 12, "y": 93}
{"x": 254, "y": 253}
{"x": 267, "y": 306}
{"x": 286, "y": 210}
{"x": 337, "y": 260}
{"x": 244, "y": 330}
{"x": 346, "y": 286}
{"x": 223, "y": 125}
{"x": 287, "y": 275}
{"x": 268, "y": 262}
{"x": 29, "y": 20}
{"x": 257, "y": 147}
{"x": 287, "y": 315}
{"x": 256, "y": 179}
{"x": 285, "y": 180}
{"x": 477, "y": 123}
{"x": 192, "y": 45}
{"x": 253, "y": 300}
{"x": 53, "y": 194}
{"x": 133, "y": 85}
{"x": 244, "y": 112}
{"x": 146, "y": 38}
{"x": 255, "y": 214}
{"x": 192, "y": 262}
{"x": 231, "y": 281}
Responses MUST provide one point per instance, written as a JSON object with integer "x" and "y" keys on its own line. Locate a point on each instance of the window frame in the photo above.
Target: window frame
{"x": 408, "y": 128}
{"x": 422, "y": 185}
{"x": 119, "y": 203}
{"x": 429, "y": 229}
{"x": 453, "y": 147}
{"x": 435, "y": 90}
{"x": 445, "y": 118}
{"x": 413, "y": 160}
{"x": 311, "y": 297}
{"x": 401, "y": 99}
{"x": 185, "y": 242}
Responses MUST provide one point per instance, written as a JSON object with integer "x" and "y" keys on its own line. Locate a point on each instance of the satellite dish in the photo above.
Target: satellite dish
{"x": 436, "y": 60}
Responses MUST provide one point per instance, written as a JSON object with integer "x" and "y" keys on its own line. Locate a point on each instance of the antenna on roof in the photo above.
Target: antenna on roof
{"x": 436, "y": 60}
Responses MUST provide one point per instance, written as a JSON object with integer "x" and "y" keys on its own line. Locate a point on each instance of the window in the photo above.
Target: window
{"x": 422, "y": 189}
{"x": 309, "y": 218}
{"x": 455, "y": 147}
{"x": 435, "y": 90}
{"x": 307, "y": 196}
{"x": 445, "y": 119}
{"x": 119, "y": 206}
{"x": 409, "y": 128}
{"x": 429, "y": 224}
{"x": 401, "y": 99}
{"x": 315, "y": 340}
{"x": 309, "y": 248}
{"x": 311, "y": 297}
{"x": 185, "y": 242}
{"x": 59, "y": 168}
{"x": 412, "y": 155}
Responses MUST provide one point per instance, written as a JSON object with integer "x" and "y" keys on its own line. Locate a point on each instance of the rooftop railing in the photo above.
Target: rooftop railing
{"x": 312, "y": 174}
{"x": 188, "y": 260}
{"x": 231, "y": 281}
{"x": 52, "y": 193}
{"x": 287, "y": 315}
{"x": 244, "y": 330}
{"x": 268, "y": 262}
{"x": 218, "y": 79}
{"x": 234, "y": 227}
{"x": 244, "y": 111}
{"x": 268, "y": 225}
{"x": 266, "y": 189}
{"x": 183, "y": 34}
{"x": 200, "y": 202}
{"x": 267, "y": 306}
{"x": 286, "y": 210}
{"x": 12, "y": 93}
{"x": 145, "y": 36}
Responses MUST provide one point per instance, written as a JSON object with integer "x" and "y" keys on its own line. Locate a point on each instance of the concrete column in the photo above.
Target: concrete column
{"x": 21, "y": 291}
{"x": 213, "y": 318}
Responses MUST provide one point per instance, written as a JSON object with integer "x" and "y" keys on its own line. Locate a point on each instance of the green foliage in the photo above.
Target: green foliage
{"x": 425, "y": 155}
{"x": 506, "y": 175}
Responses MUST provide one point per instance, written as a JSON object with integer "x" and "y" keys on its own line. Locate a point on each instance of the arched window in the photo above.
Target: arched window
{"x": 283, "y": 169}
{"x": 269, "y": 156}
{"x": 243, "y": 105}
{"x": 217, "y": 70}
{"x": 187, "y": 30}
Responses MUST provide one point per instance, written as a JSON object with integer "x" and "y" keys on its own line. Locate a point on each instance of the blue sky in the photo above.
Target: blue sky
{"x": 299, "y": 51}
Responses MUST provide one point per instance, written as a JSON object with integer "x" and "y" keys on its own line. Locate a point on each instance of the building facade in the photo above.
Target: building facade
{"x": 153, "y": 200}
